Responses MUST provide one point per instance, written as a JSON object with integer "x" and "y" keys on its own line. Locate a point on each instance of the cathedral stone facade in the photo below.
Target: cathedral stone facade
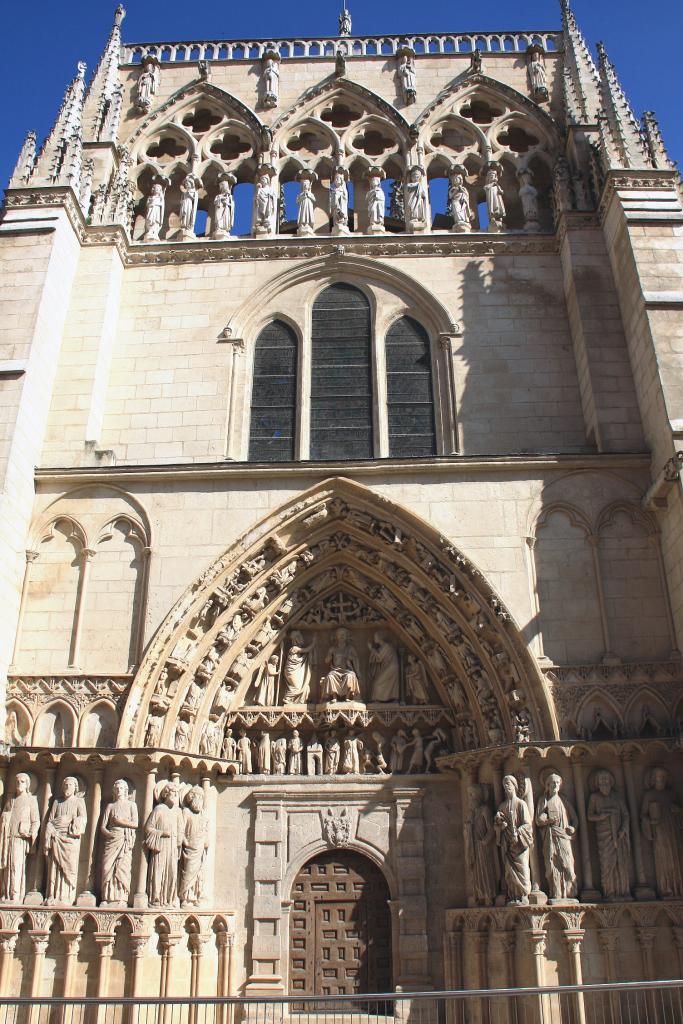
{"x": 341, "y": 560}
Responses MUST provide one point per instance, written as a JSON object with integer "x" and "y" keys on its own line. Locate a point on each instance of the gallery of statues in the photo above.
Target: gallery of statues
{"x": 342, "y": 574}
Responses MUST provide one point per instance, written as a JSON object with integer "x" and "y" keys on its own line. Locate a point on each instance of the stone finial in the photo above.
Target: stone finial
{"x": 119, "y": 15}
{"x": 100, "y": 120}
{"x": 625, "y": 146}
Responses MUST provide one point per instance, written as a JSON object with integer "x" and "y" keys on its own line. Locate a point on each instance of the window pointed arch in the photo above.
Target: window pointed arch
{"x": 272, "y": 430}
{"x": 410, "y": 395}
{"x": 342, "y": 420}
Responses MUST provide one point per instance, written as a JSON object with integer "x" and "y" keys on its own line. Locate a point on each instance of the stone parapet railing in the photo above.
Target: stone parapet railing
{"x": 354, "y": 46}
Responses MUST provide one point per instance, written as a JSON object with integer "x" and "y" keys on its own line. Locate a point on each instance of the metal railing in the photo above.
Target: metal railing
{"x": 656, "y": 1002}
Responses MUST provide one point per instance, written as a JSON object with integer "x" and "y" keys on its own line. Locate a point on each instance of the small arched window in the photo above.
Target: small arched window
{"x": 273, "y": 396}
{"x": 341, "y": 376}
{"x": 410, "y": 398}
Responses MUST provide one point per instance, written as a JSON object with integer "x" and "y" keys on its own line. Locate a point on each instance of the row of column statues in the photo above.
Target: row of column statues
{"x": 175, "y": 841}
{"x": 500, "y": 843}
{"x": 267, "y": 203}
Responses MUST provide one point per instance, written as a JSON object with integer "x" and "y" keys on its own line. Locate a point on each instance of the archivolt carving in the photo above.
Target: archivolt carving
{"x": 207, "y": 653}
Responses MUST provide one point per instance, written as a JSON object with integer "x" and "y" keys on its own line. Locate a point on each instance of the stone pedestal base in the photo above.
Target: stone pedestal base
{"x": 377, "y": 229}
{"x": 220, "y": 235}
{"x": 305, "y": 230}
{"x": 461, "y": 229}
{"x": 341, "y": 229}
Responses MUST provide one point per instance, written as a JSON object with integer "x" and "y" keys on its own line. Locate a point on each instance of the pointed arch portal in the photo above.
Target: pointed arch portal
{"x": 339, "y": 556}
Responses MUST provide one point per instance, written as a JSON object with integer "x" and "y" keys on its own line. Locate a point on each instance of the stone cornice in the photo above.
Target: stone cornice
{"x": 455, "y": 465}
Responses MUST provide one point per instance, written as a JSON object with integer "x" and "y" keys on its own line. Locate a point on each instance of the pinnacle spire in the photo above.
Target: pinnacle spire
{"x": 59, "y": 160}
{"x": 581, "y": 83}
{"x": 26, "y": 162}
{"x": 655, "y": 143}
{"x": 625, "y": 139}
{"x": 101, "y": 126}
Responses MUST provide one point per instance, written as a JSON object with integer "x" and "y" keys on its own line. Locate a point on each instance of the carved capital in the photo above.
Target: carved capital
{"x": 8, "y": 941}
{"x": 537, "y": 942}
{"x": 138, "y": 944}
{"x": 226, "y": 338}
{"x": 72, "y": 940}
{"x": 31, "y": 555}
{"x": 105, "y": 943}
{"x": 40, "y": 941}
{"x": 646, "y": 937}
{"x": 574, "y": 939}
{"x": 609, "y": 939}
{"x": 87, "y": 554}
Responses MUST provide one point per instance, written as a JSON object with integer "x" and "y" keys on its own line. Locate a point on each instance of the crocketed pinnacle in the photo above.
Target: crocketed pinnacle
{"x": 625, "y": 144}
{"x": 58, "y": 158}
{"x": 26, "y": 162}
{"x": 102, "y": 101}
{"x": 581, "y": 82}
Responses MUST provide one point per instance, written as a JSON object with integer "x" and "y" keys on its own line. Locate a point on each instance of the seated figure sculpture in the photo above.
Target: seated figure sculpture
{"x": 341, "y": 681}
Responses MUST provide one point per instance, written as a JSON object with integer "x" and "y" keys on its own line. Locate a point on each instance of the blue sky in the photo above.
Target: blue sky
{"x": 44, "y": 40}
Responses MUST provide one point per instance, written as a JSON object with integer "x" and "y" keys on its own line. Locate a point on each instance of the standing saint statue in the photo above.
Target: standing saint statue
{"x": 376, "y": 203}
{"x": 265, "y": 691}
{"x": 19, "y": 827}
{"x": 189, "y": 200}
{"x": 264, "y": 206}
{"x": 608, "y": 812}
{"x": 13, "y": 737}
{"x": 495, "y": 203}
{"x": 154, "y": 213}
{"x": 63, "y": 832}
{"x": 480, "y": 847}
{"x": 339, "y": 203}
{"x": 459, "y": 200}
{"x": 224, "y": 208}
{"x": 195, "y": 845}
{"x": 416, "y": 200}
{"x": 163, "y": 840}
{"x": 528, "y": 197}
{"x": 297, "y": 670}
{"x": 558, "y": 822}
{"x": 148, "y": 83}
{"x": 515, "y": 837}
{"x": 306, "y": 213}
{"x": 417, "y": 687}
{"x": 407, "y": 78}
{"x": 345, "y": 22}
{"x": 662, "y": 819}
{"x": 332, "y": 753}
{"x": 271, "y": 80}
{"x": 294, "y": 758}
{"x": 341, "y": 681}
{"x": 118, "y": 828}
{"x": 538, "y": 79}
{"x": 384, "y": 670}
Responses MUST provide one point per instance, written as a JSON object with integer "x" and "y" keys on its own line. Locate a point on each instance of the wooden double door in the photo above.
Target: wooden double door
{"x": 340, "y": 927}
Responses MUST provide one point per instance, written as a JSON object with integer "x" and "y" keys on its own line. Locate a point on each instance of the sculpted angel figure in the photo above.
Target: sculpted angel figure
{"x": 609, "y": 814}
{"x": 495, "y": 203}
{"x": 459, "y": 200}
{"x": 481, "y": 847}
{"x": 63, "y": 833}
{"x": 118, "y": 829}
{"x": 265, "y": 205}
{"x": 224, "y": 208}
{"x": 375, "y": 203}
{"x": 416, "y": 198}
{"x": 297, "y": 670}
{"x": 189, "y": 201}
{"x": 154, "y": 212}
{"x": 194, "y": 847}
{"x": 341, "y": 681}
{"x": 163, "y": 841}
{"x": 339, "y": 201}
{"x": 19, "y": 827}
{"x": 515, "y": 837}
{"x": 306, "y": 203}
{"x": 558, "y": 822}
